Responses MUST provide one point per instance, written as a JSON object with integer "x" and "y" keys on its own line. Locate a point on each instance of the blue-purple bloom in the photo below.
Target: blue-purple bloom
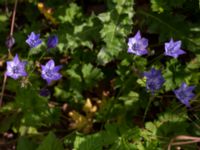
{"x": 184, "y": 94}
{"x": 173, "y": 48}
{"x": 50, "y": 71}
{"x": 137, "y": 45}
{"x": 154, "y": 80}
{"x": 16, "y": 68}
{"x": 33, "y": 40}
{"x": 52, "y": 41}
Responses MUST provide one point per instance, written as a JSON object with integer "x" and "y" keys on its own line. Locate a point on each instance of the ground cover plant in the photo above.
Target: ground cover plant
{"x": 99, "y": 74}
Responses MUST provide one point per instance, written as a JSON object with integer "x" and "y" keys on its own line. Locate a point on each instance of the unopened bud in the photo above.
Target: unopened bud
{"x": 10, "y": 41}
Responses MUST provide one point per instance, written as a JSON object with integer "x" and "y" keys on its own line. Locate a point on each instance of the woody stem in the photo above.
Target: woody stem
{"x": 9, "y": 52}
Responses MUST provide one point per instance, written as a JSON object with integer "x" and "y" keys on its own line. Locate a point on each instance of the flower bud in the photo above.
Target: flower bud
{"x": 10, "y": 41}
{"x": 52, "y": 41}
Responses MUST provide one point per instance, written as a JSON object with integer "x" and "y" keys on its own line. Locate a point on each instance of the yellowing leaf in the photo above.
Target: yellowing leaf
{"x": 88, "y": 107}
{"x": 81, "y": 123}
{"x": 47, "y": 12}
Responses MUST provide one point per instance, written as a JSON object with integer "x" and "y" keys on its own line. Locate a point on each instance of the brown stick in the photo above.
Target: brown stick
{"x": 13, "y": 19}
{"x": 3, "y": 88}
{"x": 9, "y": 53}
{"x": 185, "y": 140}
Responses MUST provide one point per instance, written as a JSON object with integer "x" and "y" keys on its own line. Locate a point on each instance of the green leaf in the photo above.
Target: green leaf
{"x": 8, "y": 121}
{"x": 130, "y": 99}
{"x": 72, "y": 12}
{"x": 104, "y": 56}
{"x": 151, "y": 127}
{"x": 36, "y": 50}
{"x": 110, "y": 134}
{"x": 174, "y": 74}
{"x": 79, "y": 29}
{"x": 165, "y": 5}
{"x": 3, "y": 18}
{"x": 91, "y": 142}
{"x": 166, "y": 25}
{"x": 117, "y": 25}
{"x": 50, "y": 143}
{"x": 34, "y": 108}
{"x": 25, "y": 144}
{"x": 171, "y": 124}
{"x": 91, "y": 75}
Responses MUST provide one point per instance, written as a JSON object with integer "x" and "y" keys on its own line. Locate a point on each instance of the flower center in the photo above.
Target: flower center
{"x": 171, "y": 49}
{"x": 182, "y": 95}
{"x": 15, "y": 69}
{"x": 49, "y": 73}
{"x": 135, "y": 46}
{"x": 33, "y": 42}
{"x": 152, "y": 85}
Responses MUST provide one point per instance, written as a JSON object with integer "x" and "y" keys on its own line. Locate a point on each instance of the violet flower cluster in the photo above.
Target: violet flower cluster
{"x": 138, "y": 46}
{"x": 17, "y": 68}
{"x": 154, "y": 80}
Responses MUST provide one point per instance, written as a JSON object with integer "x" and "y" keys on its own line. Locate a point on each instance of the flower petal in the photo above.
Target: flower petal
{"x": 50, "y": 64}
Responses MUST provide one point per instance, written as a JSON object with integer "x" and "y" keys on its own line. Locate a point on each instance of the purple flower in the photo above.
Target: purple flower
{"x": 33, "y": 40}
{"x": 16, "y": 68}
{"x": 50, "y": 71}
{"x": 154, "y": 80}
{"x": 184, "y": 94}
{"x": 52, "y": 41}
{"x": 173, "y": 49}
{"x": 137, "y": 45}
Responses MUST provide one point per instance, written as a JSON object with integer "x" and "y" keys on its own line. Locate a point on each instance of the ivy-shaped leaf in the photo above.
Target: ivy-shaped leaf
{"x": 50, "y": 143}
{"x": 91, "y": 142}
{"x": 117, "y": 24}
{"x": 91, "y": 75}
{"x": 24, "y": 144}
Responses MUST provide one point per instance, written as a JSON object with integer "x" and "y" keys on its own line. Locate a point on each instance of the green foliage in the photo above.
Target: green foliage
{"x": 88, "y": 143}
{"x": 113, "y": 137}
{"x": 102, "y": 101}
{"x": 130, "y": 99}
{"x": 91, "y": 75}
{"x": 51, "y": 143}
{"x": 35, "y": 107}
{"x": 78, "y": 28}
{"x": 116, "y": 25}
{"x": 161, "y": 6}
{"x": 167, "y": 25}
{"x": 175, "y": 74}
{"x": 24, "y": 143}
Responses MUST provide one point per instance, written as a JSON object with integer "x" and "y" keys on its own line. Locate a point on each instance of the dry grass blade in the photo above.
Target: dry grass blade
{"x": 183, "y": 140}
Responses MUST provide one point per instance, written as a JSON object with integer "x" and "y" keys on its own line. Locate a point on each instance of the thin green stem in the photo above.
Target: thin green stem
{"x": 35, "y": 65}
{"x": 28, "y": 57}
{"x": 148, "y": 106}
